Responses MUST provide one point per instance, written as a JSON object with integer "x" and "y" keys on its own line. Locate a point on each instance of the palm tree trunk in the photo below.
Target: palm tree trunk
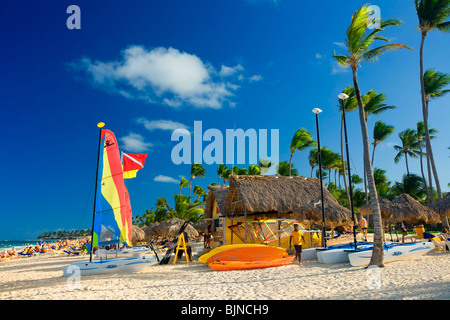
{"x": 421, "y": 170}
{"x": 425, "y": 122}
{"x": 290, "y": 162}
{"x": 190, "y": 184}
{"x": 377, "y": 253}
{"x": 406, "y": 161}
{"x": 343, "y": 162}
{"x": 373, "y": 152}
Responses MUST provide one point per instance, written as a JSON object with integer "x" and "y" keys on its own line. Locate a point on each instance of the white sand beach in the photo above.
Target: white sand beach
{"x": 41, "y": 278}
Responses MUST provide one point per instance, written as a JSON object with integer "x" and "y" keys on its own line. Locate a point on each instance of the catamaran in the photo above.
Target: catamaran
{"x": 112, "y": 220}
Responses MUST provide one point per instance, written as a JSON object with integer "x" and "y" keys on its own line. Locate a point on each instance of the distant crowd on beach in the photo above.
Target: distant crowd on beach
{"x": 61, "y": 246}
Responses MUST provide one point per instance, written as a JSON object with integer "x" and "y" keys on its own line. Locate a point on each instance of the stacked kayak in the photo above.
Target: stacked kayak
{"x": 391, "y": 252}
{"x": 241, "y": 257}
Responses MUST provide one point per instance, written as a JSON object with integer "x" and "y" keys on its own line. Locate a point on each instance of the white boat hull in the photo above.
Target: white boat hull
{"x": 397, "y": 253}
{"x": 309, "y": 254}
{"x": 122, "y": 253}
{"x": 337, "y": 253}
{"x": 133, "y": 264}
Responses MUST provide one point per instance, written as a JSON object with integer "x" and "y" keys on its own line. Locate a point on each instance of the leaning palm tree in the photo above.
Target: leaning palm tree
{"x": 197, "y": 170}
{"x": 409, "y": 146}
{"x": 184, "y": 183}
{"x": 359, "y": 41}
{"x": 285, "y": 169}
{"x": 300, "y": 141}
{"x": 381, "y": 131}
{"x": 432, "y": 15}
{"x": 420, "y": 143}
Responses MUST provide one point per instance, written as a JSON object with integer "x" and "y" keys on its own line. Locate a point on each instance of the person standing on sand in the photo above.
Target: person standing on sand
{"x": 363, "y": 225}
{"x": 297, "y": 239}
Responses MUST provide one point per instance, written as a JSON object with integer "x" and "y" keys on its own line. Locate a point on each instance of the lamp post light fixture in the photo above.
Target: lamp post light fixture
{"x": 342, "y": 97}
{"x": 324, "y": 233}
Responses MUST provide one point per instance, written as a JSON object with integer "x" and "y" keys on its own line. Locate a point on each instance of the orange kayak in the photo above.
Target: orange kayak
{"x": 243, "y": 265}
{"x": 249, "y": 254}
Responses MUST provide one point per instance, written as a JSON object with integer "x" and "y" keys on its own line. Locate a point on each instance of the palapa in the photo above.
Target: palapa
{"x": 406, "y": 208}
{"x": 172, "y": 226}
{"x": 441, "y": 206}
{"x": 138, "y": 234}
{"x": 216, "y": 194}
{"x": 150, "y": 230}
{"x": 283, "y": 197}
{"x": 386, "y": 208}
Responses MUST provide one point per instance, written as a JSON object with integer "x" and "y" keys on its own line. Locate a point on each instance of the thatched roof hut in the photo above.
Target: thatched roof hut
{"x": 282, "y": 197}
{"x": 201, "y": 225}
{"x": 137, "y": 235}
{"x": 406, "y": 208}
{"x": 172, "y": 226}
{"x": 441, "y": 206}
{"x": 216, "y": 194}
{"x": 150, "y": 230}
{"x": 386, "y": 208}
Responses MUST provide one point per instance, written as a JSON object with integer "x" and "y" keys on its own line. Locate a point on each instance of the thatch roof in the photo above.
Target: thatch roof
{"x": 219, "y": 194}
{"x": 283, "y": 197}
{"x": 441, "y": 206}
{"x": 150, "y": 230}
{"x": 172, "y": 226}
{"x": 201, "y": 225}
{"x": 138, "y": 234}
{"x": 406, "y": 208}
{"x": 386, "y": 208}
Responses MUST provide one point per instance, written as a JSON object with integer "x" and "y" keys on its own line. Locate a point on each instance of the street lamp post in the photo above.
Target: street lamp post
{"x": 324, "y": 233}
{"x": 342, "y": 97}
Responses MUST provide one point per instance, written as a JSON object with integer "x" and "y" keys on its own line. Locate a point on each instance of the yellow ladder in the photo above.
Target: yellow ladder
{"x": 181, "y": 245}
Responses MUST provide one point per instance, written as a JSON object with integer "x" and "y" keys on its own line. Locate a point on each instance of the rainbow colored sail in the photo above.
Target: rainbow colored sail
{"x": 112, "y": 214}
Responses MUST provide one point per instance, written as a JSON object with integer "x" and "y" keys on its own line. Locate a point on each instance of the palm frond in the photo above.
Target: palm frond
{"x": 372, "y": 55}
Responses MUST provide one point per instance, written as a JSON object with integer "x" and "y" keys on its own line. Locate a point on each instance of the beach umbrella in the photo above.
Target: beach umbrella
{"x": 441, "y": 206}
{"x": 138, "y": 235}
{"x": 151, "y": 230}
{"x": 201, "y": 225}
{"x": 386, "y": 208}
{"x": 406, "y": 208}
{"x": 172, "y": 226}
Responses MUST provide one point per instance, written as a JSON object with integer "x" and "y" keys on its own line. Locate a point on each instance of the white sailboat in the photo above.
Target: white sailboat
{"x": 112, "y": 221}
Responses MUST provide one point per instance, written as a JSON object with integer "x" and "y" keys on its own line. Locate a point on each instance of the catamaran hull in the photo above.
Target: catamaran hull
{"x": 128, "y": 265}
{"x": 122, "y": 253}
{"x": 336, "y": 253}
{"x": 309, "y": 254}
{"x": 397, "y": 253}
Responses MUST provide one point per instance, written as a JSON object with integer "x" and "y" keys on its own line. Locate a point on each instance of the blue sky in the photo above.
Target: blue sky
{"x": 143, "y": 67}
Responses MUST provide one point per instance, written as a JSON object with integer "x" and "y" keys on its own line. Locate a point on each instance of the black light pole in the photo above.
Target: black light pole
{"x": 324, "y": 232}
{"x": 342, "y": 97}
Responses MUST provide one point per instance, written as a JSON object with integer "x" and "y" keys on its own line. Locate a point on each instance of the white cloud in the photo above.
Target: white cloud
{"x": 255, "y": 78}
{"x": 166, "y": 179}
{"x": 318, "y": 56}
{"x": 337, "y": 68}
{"x": 134, "y": 142}
{"x": 228, "y": 71}
{"x": 161, "y": 124}
{"x": 162, "y": 75}
{"x": 340, "y": 44}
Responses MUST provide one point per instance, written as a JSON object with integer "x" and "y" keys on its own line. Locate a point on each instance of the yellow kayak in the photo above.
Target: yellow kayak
{"x": 204, "y": 258}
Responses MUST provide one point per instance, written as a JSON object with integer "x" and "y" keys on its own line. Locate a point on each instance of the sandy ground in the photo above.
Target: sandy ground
{"x": 41, "y": 278}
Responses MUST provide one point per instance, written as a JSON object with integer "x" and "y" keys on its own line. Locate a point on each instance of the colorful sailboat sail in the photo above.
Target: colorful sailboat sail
{"x": 112, "y": 220}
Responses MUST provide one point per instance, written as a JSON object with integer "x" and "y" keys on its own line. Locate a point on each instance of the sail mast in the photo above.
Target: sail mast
{"x": 99, "y": 125}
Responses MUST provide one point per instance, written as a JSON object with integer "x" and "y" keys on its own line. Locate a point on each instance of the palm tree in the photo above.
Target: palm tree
{"x": 285, "y": 169}
{"x": 253, "y": 170}
{"x": 420, "y": 142}
{"x": 184, "y": 183}
{"x": 300, "y": 141}
{"x": 412, "y": 185}
{"x": 381, "y": 182}
{"x": 434, "y": 83}
{"x": 409, "y": 146}
{"x": 329, "y": 161}
{"x": 197, "y": 170}
{"x": 380, "y": 132}
{"x": 358, "y": 42}
{"x": 220, "y": 170}
{"x": 313, "y": 159}
{"x": 432, "y": 15}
